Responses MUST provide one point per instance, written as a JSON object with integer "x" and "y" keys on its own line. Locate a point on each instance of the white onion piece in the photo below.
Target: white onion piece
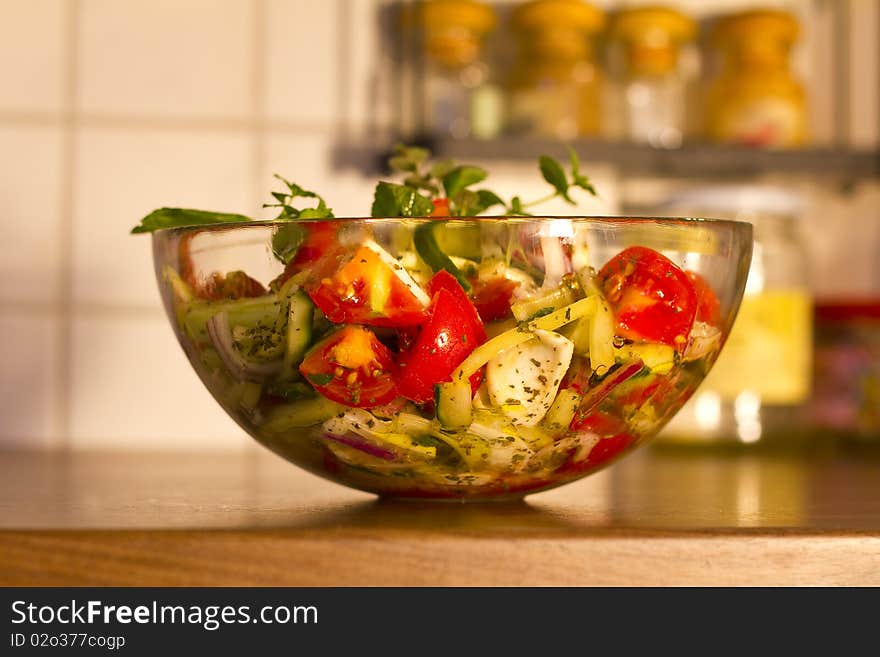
{"x": 240, "y": 367}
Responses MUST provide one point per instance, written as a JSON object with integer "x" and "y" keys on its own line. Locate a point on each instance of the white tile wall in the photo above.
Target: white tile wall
{"x": 28, "y": 383}
{"x": 165, "y": 57}
{"x": 302, "y": 61}
{"x": 121, "y": 175}
{"x": 110, "y": 108}
{"x": 305, "y": 157}
{"x": 32, "y": 42}
{"x": 30, "y": 203}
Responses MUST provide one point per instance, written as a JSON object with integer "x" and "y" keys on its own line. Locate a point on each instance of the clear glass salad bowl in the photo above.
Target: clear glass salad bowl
{"x": 459, "y": 358}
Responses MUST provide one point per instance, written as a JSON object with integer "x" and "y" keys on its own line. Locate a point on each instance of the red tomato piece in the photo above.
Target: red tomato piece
{"x": 443, "y": 280}
{"x": 492, "y": 297}
{"x": 320, "y": 239}
{"x": 652, "y": 299}
{"x": 441, "y": 207}
{"x": 447, "y": 338}
{"x": 351, "y": 367}
{"x": 708, "y": 306}
{"x": 366, "y": 287}
{"x": 608, "y": 449}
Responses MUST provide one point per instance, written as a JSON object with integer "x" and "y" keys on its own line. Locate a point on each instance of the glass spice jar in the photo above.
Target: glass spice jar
{"x": 759, "y": 388}
{"x": 462, "y": 99}
{"x": 649, "y": 90}
{"x": 755, "y": 100}
{"x": 555, "y": 85}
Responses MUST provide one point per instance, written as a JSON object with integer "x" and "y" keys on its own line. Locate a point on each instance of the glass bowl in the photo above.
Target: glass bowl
{"x": 453, "y": 359}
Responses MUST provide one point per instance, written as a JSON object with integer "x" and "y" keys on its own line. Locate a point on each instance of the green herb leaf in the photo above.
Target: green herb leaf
{"x": 393, "y": 200}
{"x": 319, "y": 378}
{"x": 577, "y": 179}
{"x": 461, "y": 177}
{"x": 487, "y": 199}
{"x": 287, "y": 240}
{"x": 555, "y": 175}
{"x": 288, "y": 211}
{"x": 181, "y": 217}
{"x": 407, "y": 158}
{"x": 517, "y": 208}
{"x": 441, "y": 168}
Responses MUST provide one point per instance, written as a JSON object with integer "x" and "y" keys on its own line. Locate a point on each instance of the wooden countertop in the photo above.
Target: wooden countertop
{"x": 660, "y": 517}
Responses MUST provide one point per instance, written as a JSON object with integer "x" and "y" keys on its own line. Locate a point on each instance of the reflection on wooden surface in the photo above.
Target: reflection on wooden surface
{"x": 651, "y": 491}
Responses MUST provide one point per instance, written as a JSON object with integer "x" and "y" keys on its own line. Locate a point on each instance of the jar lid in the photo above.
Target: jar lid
{"x": 471, "y": 15}
{"x": 734, "y": 199}
{"x": 757, "y": 25}
{"x": 657, "y": 26}
{"x": 546, "y": 14}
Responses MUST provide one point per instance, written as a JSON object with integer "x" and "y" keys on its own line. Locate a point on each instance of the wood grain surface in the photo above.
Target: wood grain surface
{"x": 658, "y": 518}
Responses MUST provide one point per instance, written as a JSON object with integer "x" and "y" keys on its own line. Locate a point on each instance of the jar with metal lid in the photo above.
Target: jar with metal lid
{"x": 759, "y": 388}
{"x": 555, "y": 86}
{"x": 755, "y": 100}
{"x": 461, "y": 98}
{"x": 649, "y": 91}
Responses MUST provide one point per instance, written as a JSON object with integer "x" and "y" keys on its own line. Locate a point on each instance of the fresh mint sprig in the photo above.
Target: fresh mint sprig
{"x": 425, "y": 186}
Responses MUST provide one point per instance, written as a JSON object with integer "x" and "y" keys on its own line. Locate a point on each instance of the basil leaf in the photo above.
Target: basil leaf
{"x": 554, "y": 174}
{"x": 384, "y": 201}
{"x": 577, "y": 180}
{"x": 181, "y": 217}
{"x": 517, "y": 208}
{"x": 287, "y": 240}
{"x": 487, "y": 199}
{"x": 393, "y": 200}
{"x": 461, "y": 177}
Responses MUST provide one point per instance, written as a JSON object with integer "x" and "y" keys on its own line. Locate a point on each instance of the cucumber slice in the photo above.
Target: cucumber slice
{"x": 302, "y": 413}
{"x": 299, "y": 331}
{"x": 453, "y": 402}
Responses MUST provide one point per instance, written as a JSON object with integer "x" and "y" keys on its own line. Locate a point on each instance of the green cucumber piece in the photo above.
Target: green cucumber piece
{"x": 299, "y": 331}
{"x": 453, "y": 402}
{"x": 302, "y": 413}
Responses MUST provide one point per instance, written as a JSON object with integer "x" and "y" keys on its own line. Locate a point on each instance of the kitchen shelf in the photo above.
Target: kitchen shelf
{"x": 659, "y": 517}
{"x": 695, "y": 160}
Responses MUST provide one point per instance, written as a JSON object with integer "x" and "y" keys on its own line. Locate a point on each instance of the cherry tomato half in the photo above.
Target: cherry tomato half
{"x": 652, "y": 299}
{"x": 351, "y": 367}
{"x": 451, "y": 333}
{"x": 708, "y": 306}
{"x": 366, "y": 286}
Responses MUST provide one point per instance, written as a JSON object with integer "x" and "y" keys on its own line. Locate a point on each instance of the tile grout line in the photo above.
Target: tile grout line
{"x": 65, "y": 274}
{"x": 146, "y": 122}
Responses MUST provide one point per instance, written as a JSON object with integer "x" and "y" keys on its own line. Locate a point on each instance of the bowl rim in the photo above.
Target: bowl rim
{"x": 488, "y": 219}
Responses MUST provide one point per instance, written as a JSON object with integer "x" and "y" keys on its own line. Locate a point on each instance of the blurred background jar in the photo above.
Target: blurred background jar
{"x": 555, "y": 86}
{"x": 462, "y": 99}
{"x": 759, "y": 388}
{"x": 648, "y": 102}
{"x": 845, "y": 404}
{"x": 754, "y": 99}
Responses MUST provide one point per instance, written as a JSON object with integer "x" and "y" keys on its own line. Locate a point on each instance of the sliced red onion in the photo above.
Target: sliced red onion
{"x": 557, "y": 263}
{"x": 362, "y": 445}
{"x": 595, "y": 395}
{"x": 241, "y": 368}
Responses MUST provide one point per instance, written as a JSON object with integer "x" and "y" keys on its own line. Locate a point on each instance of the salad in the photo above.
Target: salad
{"x": 439, "y": 354}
